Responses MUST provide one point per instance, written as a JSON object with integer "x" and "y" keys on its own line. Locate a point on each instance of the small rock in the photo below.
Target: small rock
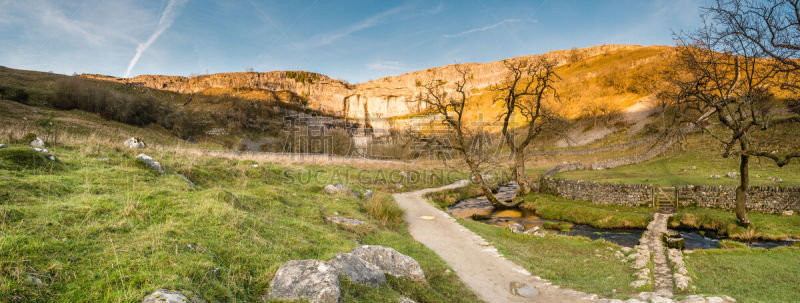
{"x": 153, "y": 164}
{"x": 45, "y": 152}
{"x": 714, "y": 177}
{"x": 626, "y": 249}
{"x": 787, "y": 213}
{"x": 344, "y": 221}
{"x": 134, "y": 142}
{"x": 516, "y": 228}
{"x": 532, "y": 231}
{"x": 619, "y": 254}
{"x": 34, "y": 280}
{"x": 356, "y": 193}
{"x": 38, "y": 142}
{"x": 368, "y": 194}
{"x": 191, "y": 184}
{"x": 658, "y": 299}
{"x": 732, "y": 175}
{"x": 391, "y": 261}
{"x": 104, "y": 159}
{"x": 165, "y": 296}
{"x": 358, "y": 270}
{"x": 693, "y": 167}
{"x": 335, "y": 189}
{"x": 398, "y": 185}
{"x": 777, "y": 180}
{"x": 312, "y": 280}
{"x": 405, "y": 300}
{"x": 3, "y": 146}
{"x": 255, "y": 165}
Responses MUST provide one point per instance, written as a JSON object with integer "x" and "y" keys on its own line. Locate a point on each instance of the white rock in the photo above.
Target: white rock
{"x": 153, "y": 164}
{"x": 165, "y": 296}
{"x": 3, "y": 146}
{"x": 788, "y": 213}
{"x": 38, "y": 142}
{"x": 133, "y": 142}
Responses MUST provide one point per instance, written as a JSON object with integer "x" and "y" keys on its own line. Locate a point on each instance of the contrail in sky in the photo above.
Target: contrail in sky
{"x": 167, "y": 17}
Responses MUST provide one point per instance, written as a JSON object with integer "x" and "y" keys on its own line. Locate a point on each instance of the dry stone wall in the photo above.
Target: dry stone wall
{"x": 764, "y": 199}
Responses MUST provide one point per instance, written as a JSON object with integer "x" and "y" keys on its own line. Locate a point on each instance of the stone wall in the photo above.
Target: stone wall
{"x": 763, "y": 199}
{"x": 600, "y": 193}
{"x": 772, "y": 200}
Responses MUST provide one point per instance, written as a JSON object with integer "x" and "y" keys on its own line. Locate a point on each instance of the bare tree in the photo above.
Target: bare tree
{"x": 772, "y": 27}
{"x": 731, "y": 77}
{"x": 524, "y": 95}
{"x": 463, "y": 137}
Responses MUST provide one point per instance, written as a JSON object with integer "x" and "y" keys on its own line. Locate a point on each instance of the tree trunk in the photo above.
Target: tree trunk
{"x": 741, "y": 191}
{"x": 518, "y": 173}
{"x": 478, "y": 179}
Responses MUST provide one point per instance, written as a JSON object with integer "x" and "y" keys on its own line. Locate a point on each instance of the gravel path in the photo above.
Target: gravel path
{"x": 478, "y": 264}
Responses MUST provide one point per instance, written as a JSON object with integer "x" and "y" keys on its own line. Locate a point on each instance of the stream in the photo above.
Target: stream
{"x": 465, "y": 209}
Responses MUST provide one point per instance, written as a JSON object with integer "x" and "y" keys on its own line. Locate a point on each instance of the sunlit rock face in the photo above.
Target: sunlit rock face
{"x": 377, "y": 99}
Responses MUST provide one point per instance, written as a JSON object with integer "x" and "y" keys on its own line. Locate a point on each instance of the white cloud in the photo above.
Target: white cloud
{"x": 386, "y": 65}
{"x": 364, "y": 24}
{"x": 481, "y": 29}
{"x": 167, "y": 17}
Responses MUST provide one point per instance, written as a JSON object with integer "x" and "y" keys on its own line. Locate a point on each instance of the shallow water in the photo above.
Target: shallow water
{"x": 625, "y": 237}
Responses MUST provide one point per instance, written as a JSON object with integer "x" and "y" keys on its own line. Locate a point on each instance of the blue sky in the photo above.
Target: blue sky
{"x": 350, "y": 40}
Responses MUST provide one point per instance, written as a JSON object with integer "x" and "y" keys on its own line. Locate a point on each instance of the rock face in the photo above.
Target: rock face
{"x": 38, "y": 142}
{"x": 153, "y": 164}
{"x": 312, "y": 280}
{"x": 378, "y": 99}
{"x": 165, "y": 296}
{"x": 358, "y": 270}
{"x": 133, "y": 142}
{"x": 391, "y": 261}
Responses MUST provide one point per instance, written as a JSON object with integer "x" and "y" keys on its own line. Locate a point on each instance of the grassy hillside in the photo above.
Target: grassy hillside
{"x": 98, "y": 226}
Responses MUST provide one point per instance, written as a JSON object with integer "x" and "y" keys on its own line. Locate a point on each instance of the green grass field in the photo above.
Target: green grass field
{"x": 114, "y": 231}
{"x": 764, "y": 226}
{"x": 575, "y": 262}
{"x": 581, "y": 212}
{"x": 674, "y": 168}
{"x": 749, "y": 275}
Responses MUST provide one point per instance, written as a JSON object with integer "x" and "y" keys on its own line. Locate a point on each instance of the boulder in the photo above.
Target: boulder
{"x": 134, "y": 142}
{"x": 344, "y": 221}
{"x": 516, "y": 228}
{"x": 312, "y": 280}
{"x": 358, "y": 270}
{"x": 391, "y": 261}
{"x": 153, "y": 164}
{"x": 3, "y": 146}
{"x": 165, "y": 296}
{"x": 38, "y": 142}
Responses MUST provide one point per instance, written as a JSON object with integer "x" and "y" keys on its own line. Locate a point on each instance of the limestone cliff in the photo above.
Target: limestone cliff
{"x": 379, "y": 99}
